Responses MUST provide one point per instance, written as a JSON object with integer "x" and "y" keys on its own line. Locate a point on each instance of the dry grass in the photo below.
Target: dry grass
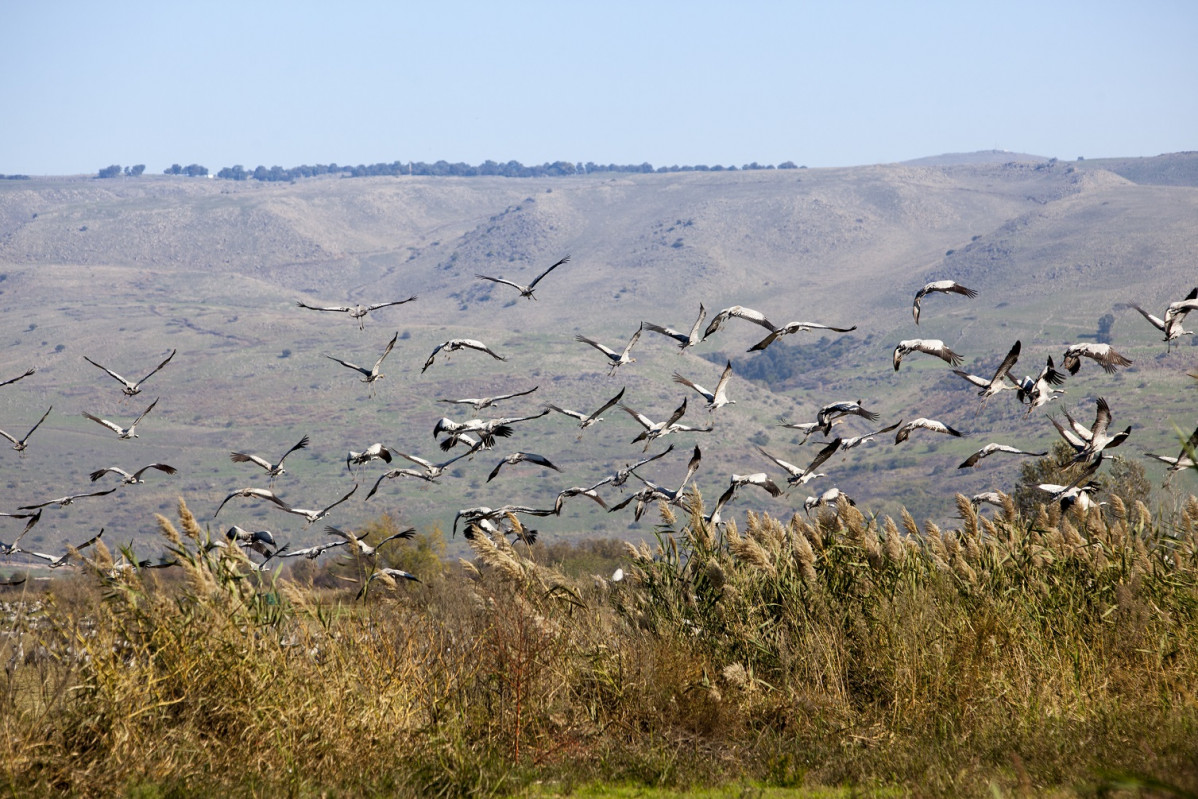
{"x": 1007, "y": 657}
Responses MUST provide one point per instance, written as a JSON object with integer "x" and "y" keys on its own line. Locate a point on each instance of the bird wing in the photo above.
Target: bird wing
{"x": 573, "y": 414}
{"x": 768, "y": 340}
{"x": 516, "y": 286}
{"x": 109, "y": 371}
{"x": 1007, "y": 362}
{"x": 604, "y": 407}
{"x": 644, "y": 421}
{"x": 143, "y": 413}
{"x": 793, "y": 470}
{"x": 941, "y": 351}
{"x": 388, "y": 304}
{"x": 537, "y": 279}
{"x": 338, "y": 308}
{"x": 162, "y": 467}
{"x": 1155, "y": 321}
{"x": 540, "y": 460}
{"x": 353, "y": 366}
{"x": 631, "y": 341}
{"x": 608, "y": 352}
{"x": 338, "y": 502}
{"x": 478, "y": 345}
{"x": 694, "y": 332}
{"x": 514, "y": 394}
{"x": 116, "y": 428}
{"x": 1102, "y": 419}
{"x": 707, "y": 394}
{"x": 980, "y": 382}
{"x": 725, "y": 376}
{"x": 12, "y": 380}
{"x": 827, "y": 452}
{"x": 676, "y": 415}
{"x": 157, "y": 368}
{"x": 303, "y": 442}
{"x": 666, "y": 331}
{"x": 386, "y": 352}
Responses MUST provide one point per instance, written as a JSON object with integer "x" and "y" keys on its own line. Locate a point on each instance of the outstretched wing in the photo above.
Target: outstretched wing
{"x": 157, "y": 368}
{"x": 537, "y": 279}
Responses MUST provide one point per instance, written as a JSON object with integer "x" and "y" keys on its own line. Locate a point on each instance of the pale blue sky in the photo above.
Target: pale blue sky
{"x": 89, "y": 84}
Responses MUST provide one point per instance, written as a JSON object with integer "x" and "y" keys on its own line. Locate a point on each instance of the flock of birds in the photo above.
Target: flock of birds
{"x": 471, "y": 438}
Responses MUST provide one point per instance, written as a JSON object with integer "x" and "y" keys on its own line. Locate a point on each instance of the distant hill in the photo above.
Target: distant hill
{"x": 975, "y": 158}
{"x": 124, "y": 270}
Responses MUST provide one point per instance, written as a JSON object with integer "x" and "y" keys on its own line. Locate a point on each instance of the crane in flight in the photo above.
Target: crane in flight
{"x": 355, "y": 311}
{"x": 132, "y": 387}
{"x": 525, "y": 291}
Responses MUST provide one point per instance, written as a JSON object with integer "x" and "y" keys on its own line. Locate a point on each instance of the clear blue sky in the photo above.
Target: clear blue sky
{"x": 89, "y": 84}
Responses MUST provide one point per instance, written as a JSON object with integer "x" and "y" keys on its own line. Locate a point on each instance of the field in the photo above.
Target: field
{"x": 1053, "y": 656}
{"x": 901, "y": 646}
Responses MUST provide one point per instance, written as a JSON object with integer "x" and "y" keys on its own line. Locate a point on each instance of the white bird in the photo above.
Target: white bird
{"x": 1184, "y": 459}
{"x": 807, "y": 428}
{"x": 836, "y": 410}
{"x": 759, "y": 479}
{"x": 372, "y": 374}
{"x": 1100, "y": 439}
{"x": 990, "y": 449}
{"x": 62, "y": 502}
{"x": 435, "y": 470}
{"x": 653, "y": 491}
{"x": 123, "y": 432}
{"x": 802, "y": 476}
{"x": 135, "y": 477}
{"x": 996, "y": 498}
{"x": 525, "y": 291}
{"x": 1070, "y": 495}
{"x": 655, "y": 430}
{"x": 1102, "y": 354}
{"x": 132, "y": 387}
{"x": 485, "y": 429}
{"x": 521, "y": 457}
{"x": 12, "y": 380}
{"x": 374, "y": 452}
{"x": 20, "y": 445}
{"x": 1175, "y": 315}
{"x": 361, "y": 547}
{"x": 56, "y": 561}
{"x": 418, "y": 474}
{"x": 620, "y": 477}
{"x": 1039, "y": 391}
{"x": 796, "y": 327}
{"x": 388, "y": 575}
{"x": 254, "y": 493}
{"x": 925, "y": 424}
{"x": 355, "y": 311}
{"x": 486, "y": 402}
{"x": 272, "y": 469}
{"x": 684, "y": 339}
{"x": 313, "y": 552}
{"x": 617, "y": 359}
{"x": 314, "y": 515}
{"x": 715, "y": 399}
{"x": 577, "y": 491}
{"x": 586, "y": 420}
{"x": 455, "y": 344}
{"x": 856, "y": 441}
{"x": 739, "y": 312}
{"x": 944, "y": 286}
{"x": 930, "y": 346}
{"x": 261, "y": 541}
{"x": 998, "y": 382}
{"x": 833, "y": 496}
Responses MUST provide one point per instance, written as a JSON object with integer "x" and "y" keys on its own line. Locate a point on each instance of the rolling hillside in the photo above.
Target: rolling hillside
{"x": 123, "y": 271}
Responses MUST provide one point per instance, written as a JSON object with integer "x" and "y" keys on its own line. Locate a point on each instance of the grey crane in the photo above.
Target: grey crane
{"x": 123, "y": 432}
{"x": 833, "y": 496}
{"x": 586, "y": 420}
{"x": 654, "y": 430}
{"x": 455, "y": 344}
{"x": 134, "y": 478}
{"x": 738, "y": 312}
{"x": 314, "y": 515}
{"x": 923, "y": 424}
{"x": 1102, "y": 354}
{"x": 856, "y": 441}
{"x": 375, "y": 452}
{"x": 1175, "y": 314}
{"x": 525, "y": 291}
{"x": 797, "y": 476}
{"x": 372, "y": 374}
{"x": 943, "y": 287}
{"x": 62, "y": 502}
{"x": 361, "y": 547}
{"x": 992, "y": 448}
{"x": 1099, "y": 439}
{"x": 521, "y": 457}
{"x": 389, "y": 576}
{"x": 261, "y": 541}
{"x": 249, "y": 493}
{"x": 23, "y": 442}
{"x": 1039, "y": 391}
{"x": 930, "y": 346}
{"x": 1184, "y": 459}
{"x": 717, "y": 398}
{"x": 486, "y": 402}
{"x": 796, "y": 327}
{"x": 132, "y": 387}
{"x": 57, "y": 561}
{"x": 998, "y": 382}
{"x": 313, "y": 552}
{"x": 617, "y": 359}
{"x": 272, "y": 469}
{"x": 357, "y": 312}
{"x": 684, "y": 340}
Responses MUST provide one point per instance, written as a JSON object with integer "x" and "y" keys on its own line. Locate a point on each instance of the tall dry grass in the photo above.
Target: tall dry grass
{"x": 1009, "y": 655}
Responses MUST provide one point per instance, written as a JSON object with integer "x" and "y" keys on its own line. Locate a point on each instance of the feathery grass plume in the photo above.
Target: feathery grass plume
{"x": 971, "y": 547}
{"x": 892, "y": 543}
{"x": 1070, "y": 535}
{"x": 963, "y": 570}
{"x": 750, "y": 552}
{"x": 988, "y": 527}
{"x": 909, "y": 525}
{"x": 714, "y": 573}
{"x": 190, "y": 527}
{"x": 168, "y": 529}
{"x": 633, "y": 553}
{"x": 646, "y": 553}
{"x": 803, "y": 553}
{"x": 1117, "y": 507}
{"x": 1009, "y": 512}
{"x": 967, "y": 513}
{"x": 471, "y": 569}
{"x": 1043, "y": 522}
{"x": 667, "y": 513}
{"x": 1145, "y": 516}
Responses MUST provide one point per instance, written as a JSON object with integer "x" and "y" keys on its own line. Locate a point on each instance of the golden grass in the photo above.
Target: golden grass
{"x": 1007, "y": 657}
